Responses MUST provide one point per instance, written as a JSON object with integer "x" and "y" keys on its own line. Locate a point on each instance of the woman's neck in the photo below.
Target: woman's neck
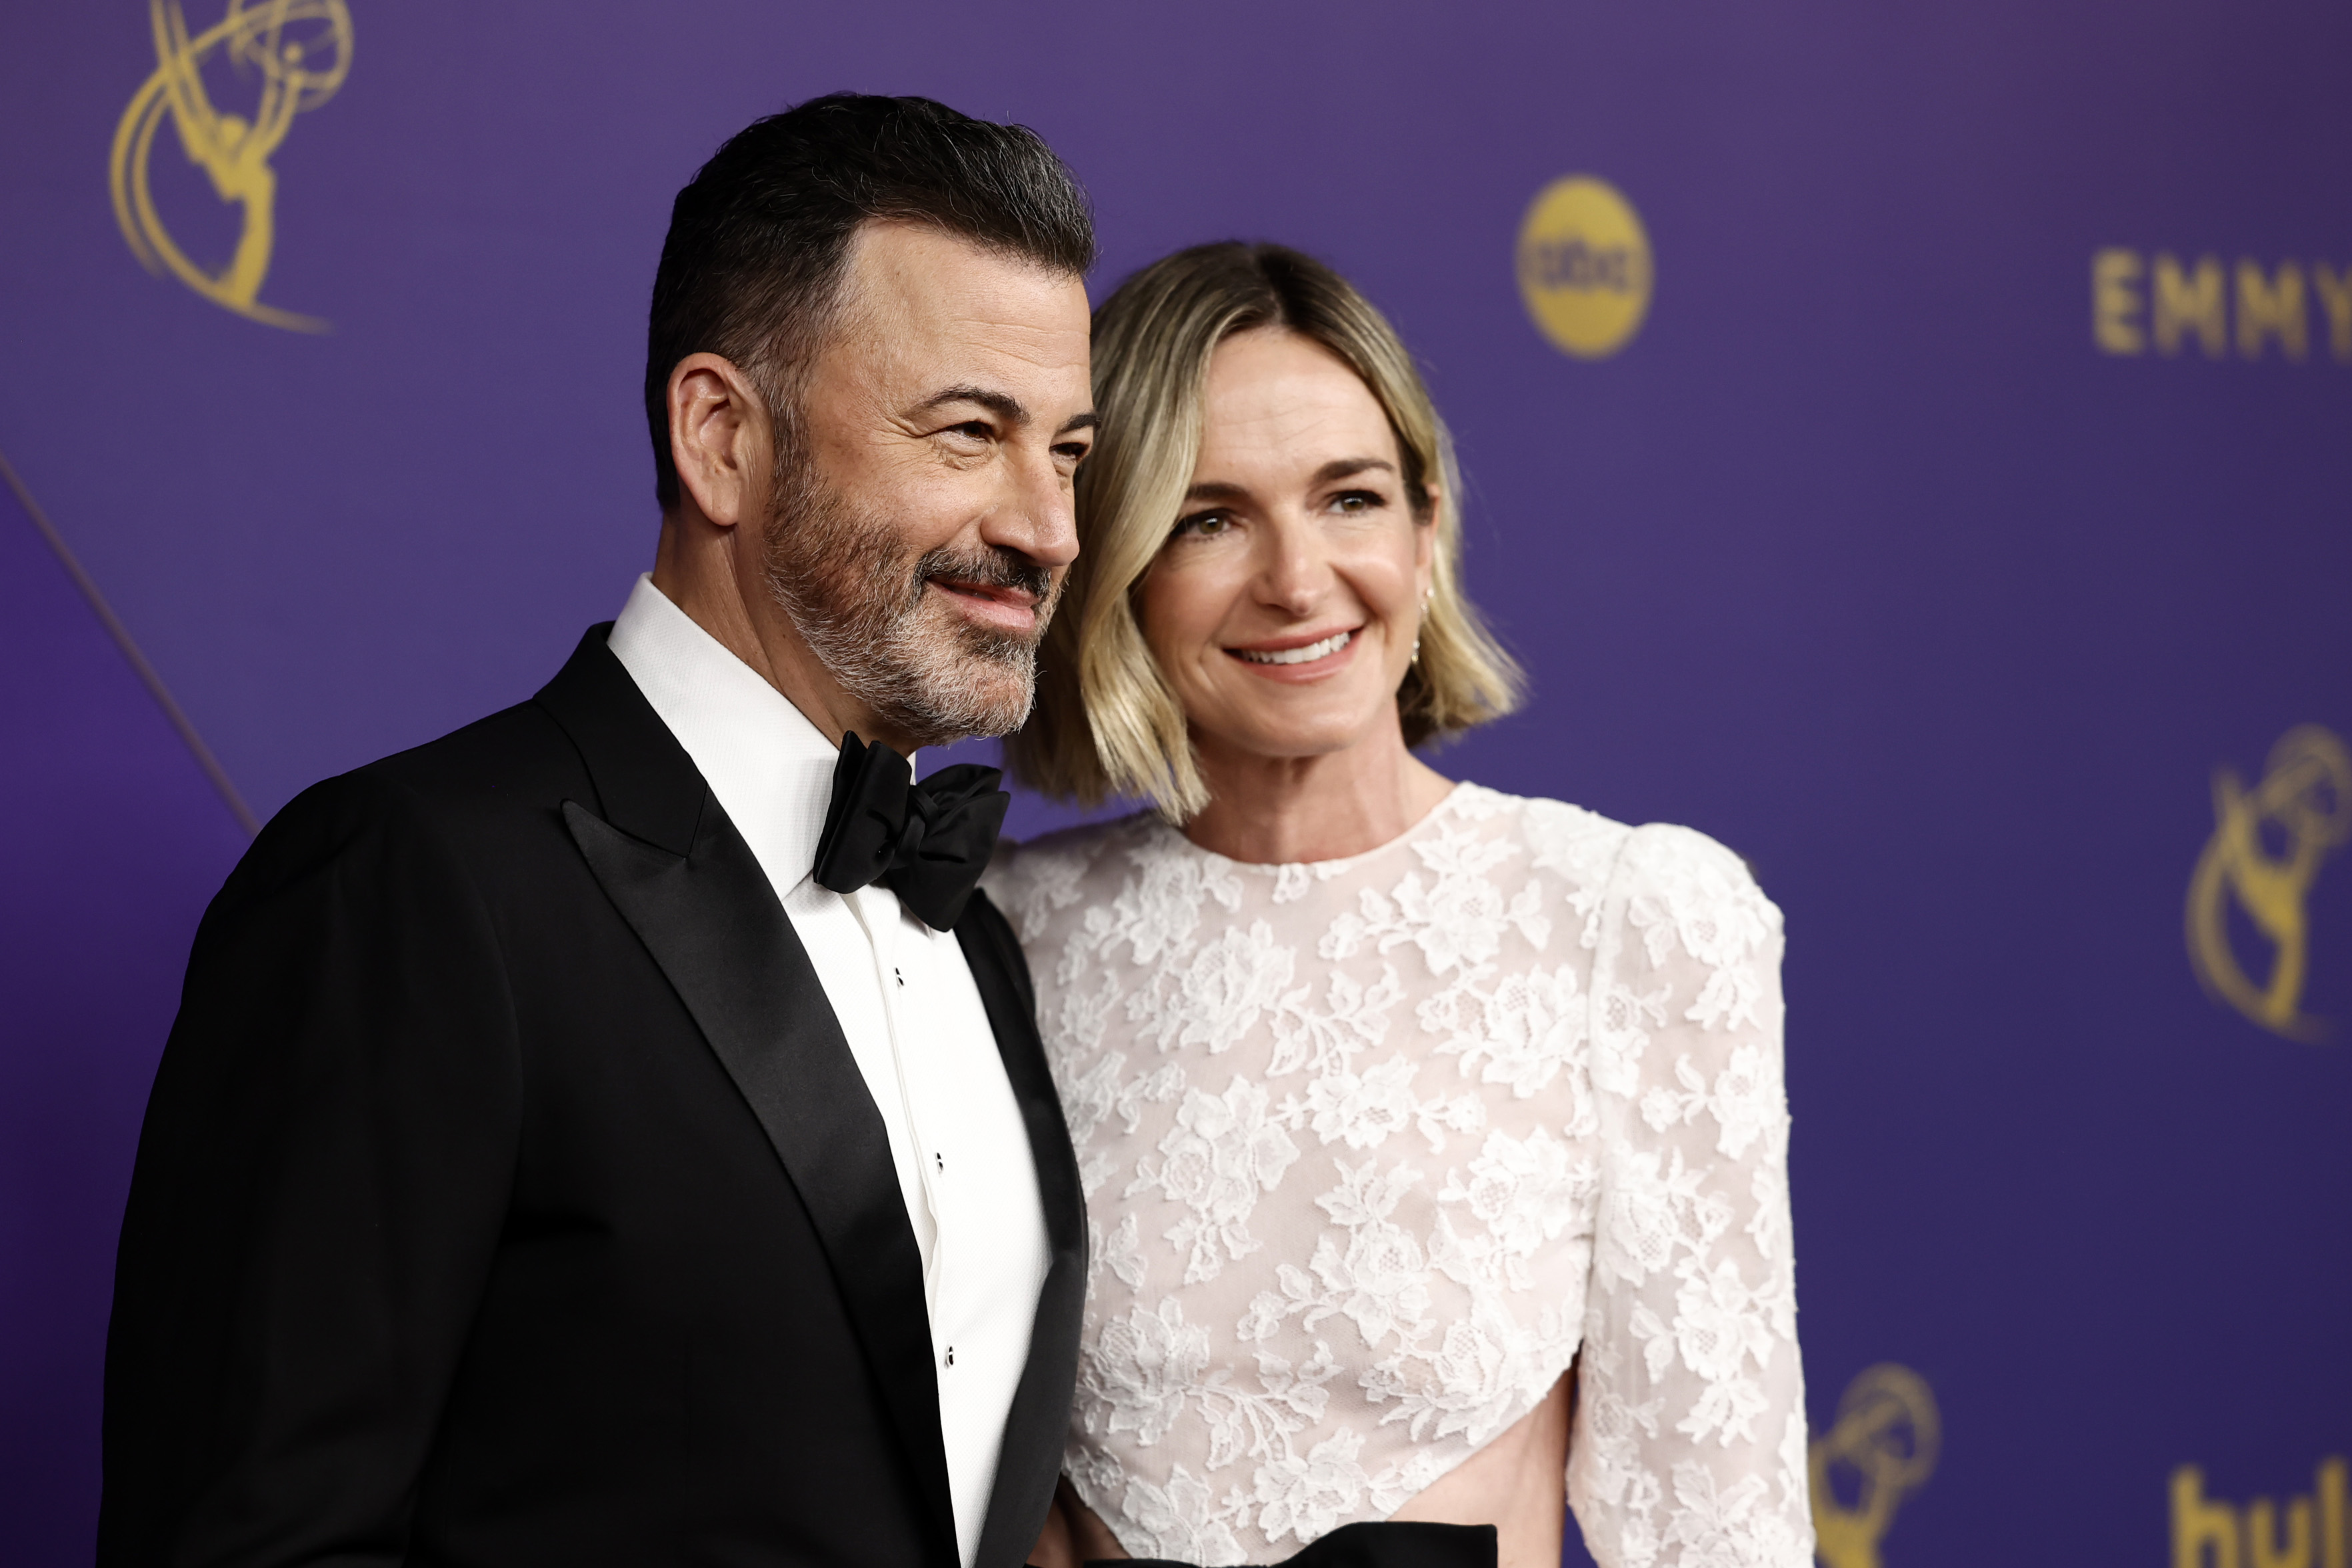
{"x": 1281, "y": 810}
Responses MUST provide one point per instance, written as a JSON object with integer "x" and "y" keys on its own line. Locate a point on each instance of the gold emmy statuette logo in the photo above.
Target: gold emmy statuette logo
{"x": 1883, "y": 1448}
{"x": 300, "y": 50}
{"x": 2267, "y": 844}
{"x": 1584, "y": 266}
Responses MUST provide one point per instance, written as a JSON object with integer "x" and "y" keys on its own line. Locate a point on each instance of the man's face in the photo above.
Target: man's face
{"x": 918, "y": 538}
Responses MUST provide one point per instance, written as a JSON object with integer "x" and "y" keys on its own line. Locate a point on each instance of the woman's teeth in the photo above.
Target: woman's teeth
{"x": 1312, "y": 651}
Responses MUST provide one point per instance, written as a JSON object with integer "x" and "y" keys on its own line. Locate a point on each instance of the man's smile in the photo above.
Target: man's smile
{"x": 1005, "y": 607}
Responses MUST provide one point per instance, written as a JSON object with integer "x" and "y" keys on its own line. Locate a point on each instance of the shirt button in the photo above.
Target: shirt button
{"x": 943, "y": 1159}
{"x": 899, "y": 974}
{"x": 951, "y": 1355}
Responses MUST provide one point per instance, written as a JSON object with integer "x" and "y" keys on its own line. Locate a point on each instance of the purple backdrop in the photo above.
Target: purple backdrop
{"x": 1863, "y": 555}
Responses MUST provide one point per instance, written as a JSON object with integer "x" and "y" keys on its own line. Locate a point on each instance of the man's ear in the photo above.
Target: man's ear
{"x": 718, "y": 438}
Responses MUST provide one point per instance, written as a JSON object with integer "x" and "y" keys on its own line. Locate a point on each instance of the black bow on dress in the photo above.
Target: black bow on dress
{"x": 1374, "y": 1544}
{"x": 926, "y": 842}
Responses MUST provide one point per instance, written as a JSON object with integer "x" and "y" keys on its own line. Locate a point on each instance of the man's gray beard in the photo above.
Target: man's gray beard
{"x": 859, "y": 600}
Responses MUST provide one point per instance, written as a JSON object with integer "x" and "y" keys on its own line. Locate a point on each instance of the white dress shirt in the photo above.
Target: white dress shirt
{"x": 913, "y": 1018}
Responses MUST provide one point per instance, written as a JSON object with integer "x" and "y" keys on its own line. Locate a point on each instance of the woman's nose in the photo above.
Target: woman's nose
{"x": 1296, "y": 573}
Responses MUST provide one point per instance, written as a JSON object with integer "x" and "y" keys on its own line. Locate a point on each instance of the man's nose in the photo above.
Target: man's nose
{"x": 1040, "y": 519}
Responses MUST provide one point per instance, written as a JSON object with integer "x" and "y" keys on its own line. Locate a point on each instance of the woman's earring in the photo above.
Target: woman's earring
{"x": 1424, "y": 619}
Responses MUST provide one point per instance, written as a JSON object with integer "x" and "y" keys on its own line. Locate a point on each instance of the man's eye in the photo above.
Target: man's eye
{"x": 1073, "y": 451}
{"x": 973, "y": 429}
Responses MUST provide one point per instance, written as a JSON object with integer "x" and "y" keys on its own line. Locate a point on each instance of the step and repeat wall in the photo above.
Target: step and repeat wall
{"x": 1912, "y": 444}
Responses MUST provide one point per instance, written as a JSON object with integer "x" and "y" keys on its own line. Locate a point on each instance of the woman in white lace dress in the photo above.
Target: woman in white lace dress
{"x": 1434, "y": 1138}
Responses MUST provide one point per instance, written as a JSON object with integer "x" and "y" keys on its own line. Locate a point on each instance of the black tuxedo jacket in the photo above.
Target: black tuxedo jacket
{"x": 508, "y": 1196}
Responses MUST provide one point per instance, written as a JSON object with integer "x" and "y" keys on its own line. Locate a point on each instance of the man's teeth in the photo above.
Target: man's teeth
{"x": 1312, "y": 651}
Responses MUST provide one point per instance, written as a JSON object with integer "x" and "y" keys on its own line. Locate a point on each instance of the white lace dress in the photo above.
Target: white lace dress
{"x": 1372, "y": 1147}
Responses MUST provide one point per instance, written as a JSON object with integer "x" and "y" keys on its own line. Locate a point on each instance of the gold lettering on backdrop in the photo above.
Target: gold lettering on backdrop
{"x": 2115, "y": 302}
{"x": 301, "y": 50}
{"x": 2304, "y": 803}
{"x": 2268, "y": 307}
{"x": 2264, "y": 1546}
{"x": 2335, "y": 291}
{"x": 2189, "y": 300}
{"x": 2208, "y": 1532}
{"x": 1882, "y": 1448}
{"x": 2204, "y": 1534}
{"x": 2132, "y": 300}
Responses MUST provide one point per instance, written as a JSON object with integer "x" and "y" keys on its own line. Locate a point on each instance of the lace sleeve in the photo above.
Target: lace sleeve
{"x": 1689, "y": 1443}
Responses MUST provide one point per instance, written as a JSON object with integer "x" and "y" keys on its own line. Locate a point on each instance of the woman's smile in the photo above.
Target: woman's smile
{"x": 1310, "y": 656}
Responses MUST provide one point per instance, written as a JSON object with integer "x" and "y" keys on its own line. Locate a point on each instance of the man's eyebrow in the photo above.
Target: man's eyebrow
{"x": 1086, "y": 421}
{"x": 1005, "y": 406}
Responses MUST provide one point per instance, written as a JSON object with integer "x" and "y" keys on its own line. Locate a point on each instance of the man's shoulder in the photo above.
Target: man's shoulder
{"x": 471, "y": 788}
{"x": 516, "y": 755}
{"x": 525, "y": 756}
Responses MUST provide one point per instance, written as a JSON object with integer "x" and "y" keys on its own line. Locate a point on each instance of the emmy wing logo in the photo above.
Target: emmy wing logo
{"x": 298, "y": 51}
{"x": 1882, "y": 1448}
{"x": 2267, "y": 846}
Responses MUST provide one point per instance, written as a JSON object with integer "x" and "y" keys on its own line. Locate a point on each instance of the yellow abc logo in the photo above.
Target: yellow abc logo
{"x": 1584, "y": 266}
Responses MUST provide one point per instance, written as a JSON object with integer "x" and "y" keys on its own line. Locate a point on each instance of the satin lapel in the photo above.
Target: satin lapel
{"x": 1039, "y": 1422}
{"x": 707, "y": 913}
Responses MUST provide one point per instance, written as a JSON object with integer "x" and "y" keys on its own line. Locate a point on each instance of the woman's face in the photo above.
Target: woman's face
{"x": 1283, "y": 606}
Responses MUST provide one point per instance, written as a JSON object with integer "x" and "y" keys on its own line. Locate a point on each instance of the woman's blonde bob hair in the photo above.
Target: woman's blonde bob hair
{"x": 1106, "y": 722}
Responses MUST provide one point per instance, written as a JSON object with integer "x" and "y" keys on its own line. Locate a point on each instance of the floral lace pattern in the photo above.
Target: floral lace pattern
{"x": 1373, "y": 1147}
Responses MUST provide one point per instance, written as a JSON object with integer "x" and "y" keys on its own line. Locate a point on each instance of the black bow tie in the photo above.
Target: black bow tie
{"x": 926, "y": 842}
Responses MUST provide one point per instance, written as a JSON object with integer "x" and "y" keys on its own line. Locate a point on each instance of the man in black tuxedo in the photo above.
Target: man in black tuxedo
{"x": 617, "y": 1132}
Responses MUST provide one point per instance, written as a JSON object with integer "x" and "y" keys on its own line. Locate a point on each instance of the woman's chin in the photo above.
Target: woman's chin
{"x": 1286, "y": 737}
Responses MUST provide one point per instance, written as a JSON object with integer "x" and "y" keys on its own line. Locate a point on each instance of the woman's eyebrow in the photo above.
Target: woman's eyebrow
{"x": 1336, "y": 470}
{"x": 1345, "y": 468}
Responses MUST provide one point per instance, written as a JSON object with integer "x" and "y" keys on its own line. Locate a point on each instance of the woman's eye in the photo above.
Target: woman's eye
{"x": 1355, "y": 503}
{"x": 1203, "y": 525}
